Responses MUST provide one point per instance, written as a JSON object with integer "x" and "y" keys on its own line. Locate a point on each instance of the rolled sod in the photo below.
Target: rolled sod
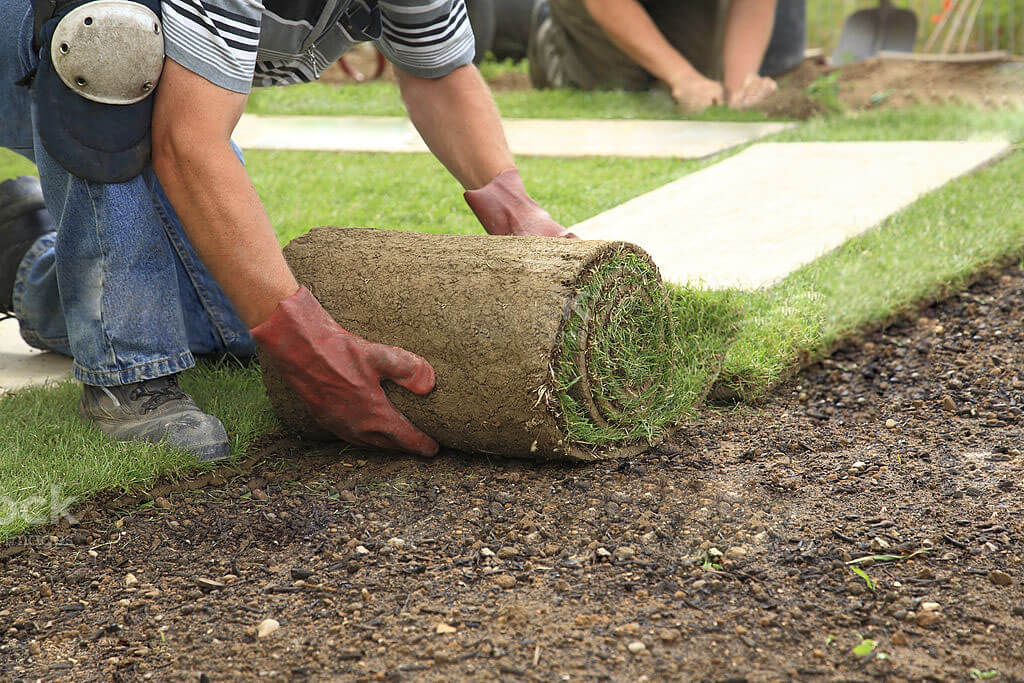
{"x": 543, "y": 348}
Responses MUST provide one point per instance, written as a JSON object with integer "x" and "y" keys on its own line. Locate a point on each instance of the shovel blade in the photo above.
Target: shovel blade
{"x": 868, "y": 32}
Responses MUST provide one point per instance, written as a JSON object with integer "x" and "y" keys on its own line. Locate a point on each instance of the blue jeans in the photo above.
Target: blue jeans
{"x": 118, "y": 287}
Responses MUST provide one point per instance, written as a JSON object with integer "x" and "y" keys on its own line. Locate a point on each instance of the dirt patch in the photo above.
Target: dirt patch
{"x": 896, "y": 84}
{"x": 543, "y": 348}
{"x": 723, "y": 555}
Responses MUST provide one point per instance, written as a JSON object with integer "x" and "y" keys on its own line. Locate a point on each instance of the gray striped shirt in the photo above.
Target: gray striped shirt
{"x": 237, "y": 44}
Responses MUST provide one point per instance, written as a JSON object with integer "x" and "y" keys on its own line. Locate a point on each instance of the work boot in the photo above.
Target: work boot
{"x": 157, "y": 411}
{"x": 23, "y": 220}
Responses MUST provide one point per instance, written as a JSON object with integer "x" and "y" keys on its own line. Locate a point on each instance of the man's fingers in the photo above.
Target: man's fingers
{"x": 405, "y": 369}
{"x": 401, "y": 435}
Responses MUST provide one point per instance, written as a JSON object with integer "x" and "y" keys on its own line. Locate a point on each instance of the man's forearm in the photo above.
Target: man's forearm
{"x": 459, "y": 121}
{"x": 748, "y": 28}
{"x": 213, "y": 195}
{"x": 631, "y": 28}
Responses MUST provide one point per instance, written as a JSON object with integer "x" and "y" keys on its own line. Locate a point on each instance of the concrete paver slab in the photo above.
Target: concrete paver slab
{"x": 21, "y": 365}
{"x": 755, "y": 217}
{"x": 537, "y": 137}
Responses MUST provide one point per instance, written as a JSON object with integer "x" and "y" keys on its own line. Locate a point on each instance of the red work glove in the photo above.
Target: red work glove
{"x": 339, "y": 375}
{"x": 504, "y": 208}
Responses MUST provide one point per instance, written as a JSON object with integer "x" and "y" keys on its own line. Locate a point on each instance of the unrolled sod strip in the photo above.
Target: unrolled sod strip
{"x": 543, "y": 348}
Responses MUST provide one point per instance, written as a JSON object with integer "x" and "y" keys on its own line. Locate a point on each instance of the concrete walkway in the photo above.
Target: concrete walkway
{"x": 21, "y": 365}
{"x": 532, "y": 137}
{"x": 755, "y": 217}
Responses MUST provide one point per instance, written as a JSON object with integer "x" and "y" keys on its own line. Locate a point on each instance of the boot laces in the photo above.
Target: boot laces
{"x": 157, "y": 391}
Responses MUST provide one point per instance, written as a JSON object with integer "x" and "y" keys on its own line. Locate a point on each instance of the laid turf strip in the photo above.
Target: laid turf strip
{"x": 543, "y": 348}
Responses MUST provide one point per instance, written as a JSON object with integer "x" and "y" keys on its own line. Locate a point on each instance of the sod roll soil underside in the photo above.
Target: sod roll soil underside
{"x": 543, "y": 348}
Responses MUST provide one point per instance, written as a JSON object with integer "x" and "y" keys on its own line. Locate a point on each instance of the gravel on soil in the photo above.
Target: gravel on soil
{"x": 802, "y": 538}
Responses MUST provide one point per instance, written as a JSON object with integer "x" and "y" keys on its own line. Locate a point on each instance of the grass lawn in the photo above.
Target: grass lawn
{"x": 929, "y": 247}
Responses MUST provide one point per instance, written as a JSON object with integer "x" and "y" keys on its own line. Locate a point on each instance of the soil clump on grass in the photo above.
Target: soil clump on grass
{"x": 727, "y": 553}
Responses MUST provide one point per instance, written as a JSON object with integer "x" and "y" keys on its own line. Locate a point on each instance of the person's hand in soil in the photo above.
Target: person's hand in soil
{"x": 696, "y": 93}
{"x": 339, "y": 375}
{"x": 503, "y": 207}
{"x": 755, "y": 90}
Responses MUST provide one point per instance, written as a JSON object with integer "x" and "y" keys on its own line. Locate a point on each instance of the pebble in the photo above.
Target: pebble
{"x": 207, "y": 585}
{"x": 361, "y": 549}
{"x": 1000, "y": 578}
{"x": 300, "y": 573}
{"x": 486, "y": 552}
{"x": 890, "y": 423}
{"x": 267, "y": 627}
{"x": 130, "y": 580}
{"x": 624, "y": 553}
{"x": 649, "y": 538}
{"x": 45, "y": 591}
{"x": 603, "y": 552}
{"x": 948, "y": 404}
{"x": 162, "y": 503}
{"x": 260, "y": 495}
{"x": 396, "y": 542}
{"x": 879, "y": 544}
{"x": 346, "y": 496}
{"x": 899, "y": 639}
{"x": 668, "y": 635}
{"x": 858, "y": 466}
{"x": 929, "y": 618}
{"x": 506, "y": 553}
{"x": 636, "y": 647}
{"x": 444, "y": 629}
{"x": 506, "y": 581}
{"x": 737, "y": 553}
{"x": 930, "y": 607}
{"x": 34, "y": 649}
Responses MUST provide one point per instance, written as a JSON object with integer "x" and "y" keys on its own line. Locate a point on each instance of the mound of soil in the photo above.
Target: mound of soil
{"x": 897, "y": 84}
{"x": 724, "y": 555}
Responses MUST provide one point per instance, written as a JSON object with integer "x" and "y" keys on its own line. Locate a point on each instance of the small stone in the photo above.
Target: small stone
{"x": 561, "y": 585}
{"x": 899, "y": 639}
{"x": 649, "y": 538}
{"x": 130, "y": 580}
{"x": 603, "y": 552}
{"x": 737, "y": 553}
{"x": 486, "y": 552}
{"x": 260, "y": 495}
{"x": 506, "y": 553}
{"x": 34, "y": 649}
{"x": 93, "y": 553}
{"x": 506, "y": 581}
{"x": 443, "y": 629}
{"x": 624, "y": 553}
{"x": 45, "y": 591}
{"x": 361, "y": 549}
{"x": 124, "y": 602}
{"x": 346, "y": 496}
{"x": 162, "y": 503}
{"x": 267, "y": 627}
{"x": 948, "y": 404}
{"x": 208, "y": 585}
{"x": 878, "y": 544}
{"x": 930, "y": 607}
{"x": 396, "y": 542}
{"x": 636, "y": 647}
{"x": 1000, "y": 578}
{"x": 858, "y": 466}
{"x": 668, "y": 635}
{"x": 300, "y": 573}
{"x": 715, "y": 553}
{"x": 890, "y": 423}
{"x": 926, "y": 619}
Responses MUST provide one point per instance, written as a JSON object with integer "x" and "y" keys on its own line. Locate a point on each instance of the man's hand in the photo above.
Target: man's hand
{"x": 755, "y": 90}
{"x": 339, "y": 375}
{"x": 695, "y": 93}
{"x": 504, "y": 208}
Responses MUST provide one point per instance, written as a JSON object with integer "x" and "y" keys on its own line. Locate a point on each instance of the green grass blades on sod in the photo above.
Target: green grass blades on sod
{"x": 931, "y": 246}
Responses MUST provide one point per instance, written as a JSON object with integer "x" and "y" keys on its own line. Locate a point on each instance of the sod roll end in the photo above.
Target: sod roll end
{"x": 543, "y": 348}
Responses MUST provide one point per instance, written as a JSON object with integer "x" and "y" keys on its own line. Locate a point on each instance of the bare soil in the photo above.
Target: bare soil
{"x": 899, "y": 84}
{"x": 723, "y": 555}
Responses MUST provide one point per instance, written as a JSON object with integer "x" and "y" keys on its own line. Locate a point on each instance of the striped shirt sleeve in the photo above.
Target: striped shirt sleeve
{"x": 216, "y": 39}
{"x": 426, "y": 38}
